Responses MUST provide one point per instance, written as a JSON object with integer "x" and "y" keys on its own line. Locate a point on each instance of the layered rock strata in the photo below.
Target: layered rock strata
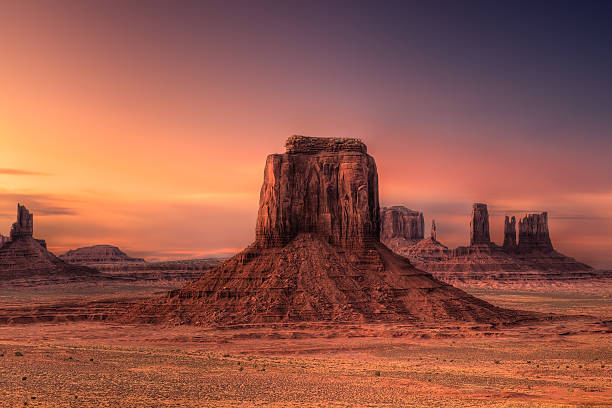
{"x": 317, "y": 254}
{"x": 98, "y": 254}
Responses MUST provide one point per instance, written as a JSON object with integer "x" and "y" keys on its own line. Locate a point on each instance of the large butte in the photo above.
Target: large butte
{"x": 317, "y": 254}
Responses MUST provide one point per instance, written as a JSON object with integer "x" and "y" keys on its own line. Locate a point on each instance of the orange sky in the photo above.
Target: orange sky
{"x": 150, "y": 131}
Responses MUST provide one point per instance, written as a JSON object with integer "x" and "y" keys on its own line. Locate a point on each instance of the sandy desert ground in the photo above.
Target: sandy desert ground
{"x": 559, "y": 363}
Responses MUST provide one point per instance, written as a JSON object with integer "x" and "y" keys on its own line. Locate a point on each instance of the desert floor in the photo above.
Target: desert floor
{"x": 564, "y": 362}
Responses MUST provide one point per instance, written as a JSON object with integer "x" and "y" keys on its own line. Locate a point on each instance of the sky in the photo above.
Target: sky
{"x": 146, "y": 124}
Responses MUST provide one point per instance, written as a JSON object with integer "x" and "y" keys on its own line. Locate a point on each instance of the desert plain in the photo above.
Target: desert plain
{"x": 563, "y": 362}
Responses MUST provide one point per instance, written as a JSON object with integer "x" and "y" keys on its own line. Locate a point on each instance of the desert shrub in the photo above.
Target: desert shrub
{"x": 377, "y": 373}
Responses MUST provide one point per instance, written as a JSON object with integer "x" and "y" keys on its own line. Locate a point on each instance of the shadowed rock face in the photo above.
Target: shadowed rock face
{"x": 479, "y": 225}
{"x": 24, "y": 227}
{"x": 317, "y": 254}
{"x": 328, "y": 187}
{"x": 533, "y": 233}
{"x": 509, "y": 234}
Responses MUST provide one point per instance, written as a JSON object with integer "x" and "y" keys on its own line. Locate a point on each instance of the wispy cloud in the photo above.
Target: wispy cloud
{"x": 40, "y": 204}
{"x": 19, "y": 172}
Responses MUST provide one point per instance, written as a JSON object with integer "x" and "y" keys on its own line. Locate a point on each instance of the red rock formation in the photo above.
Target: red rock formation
{"x": 479, "y": 225}
{"x": 97, "y": 254}
{"x": 27, "y": 260}
{"x": 24, "y": 227}
{"x": 533, "y": 233}
{"x": 324, "y": 186}
{"x": 317, "y": 254}
{"x": 485, "y": 264}
{"x": 509, "y": 234}
{"x": 401, "y": 222}
{"x": 434, "y": 230}
{"x": 400, "y": 227}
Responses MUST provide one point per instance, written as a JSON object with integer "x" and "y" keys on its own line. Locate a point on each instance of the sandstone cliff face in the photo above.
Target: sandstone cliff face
{"x": 317, "y": 254}
{"x": 97, "y": 254}
{"x": 533, "y": 233}
{"x": 479, "y": 225}
{"x": 510, "y": 234}
{"x": 3, "y": 240}
{"x": 401, "y": 222}
{"x": 328, "y": 187}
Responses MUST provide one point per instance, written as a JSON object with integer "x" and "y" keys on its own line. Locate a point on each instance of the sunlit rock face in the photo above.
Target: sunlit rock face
{"x": 328, "y": 187}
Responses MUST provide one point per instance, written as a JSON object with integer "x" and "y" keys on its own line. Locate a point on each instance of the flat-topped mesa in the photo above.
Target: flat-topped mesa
{"x": 510, "y": 234}
{"x": 479, "y": 225}
{"x": 298, "y": 144}
{"x": 401, "y": 222}
{"x": 24, "y": 227}
{"x": 328, "y": 187}
{"x": 533, "y": 233}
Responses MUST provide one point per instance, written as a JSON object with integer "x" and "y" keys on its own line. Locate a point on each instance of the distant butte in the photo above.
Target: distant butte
{"x": 97, "y": 254}
{"x": 317, "y": 255}
{"x": 531, "y": 260}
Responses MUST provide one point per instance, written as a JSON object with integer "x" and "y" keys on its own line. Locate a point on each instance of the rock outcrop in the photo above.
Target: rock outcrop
{"x": 530, "y": 262}
{"x": 24, "y": 227}
{"x": 317, "y": 254}
{"x": 98, "y": 254}
{"x": 479, "y": 225}
{"x": 328, "y": 187}
{"x": 509, "y": 234}
{"x": 533, "y": 234}
{"x": 401, "y": 227}
{"x": 26, "y": 260}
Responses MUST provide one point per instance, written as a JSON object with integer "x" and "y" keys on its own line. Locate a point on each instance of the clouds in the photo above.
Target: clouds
{"x": 19, "y": 172}
{"x": 40, "y": 204}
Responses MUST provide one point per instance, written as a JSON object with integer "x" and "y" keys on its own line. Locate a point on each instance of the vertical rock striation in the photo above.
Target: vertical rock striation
{"x": 399, "y": 222}
{"x": 328, "y": 187}
{"x": 479, "y": 225}
{"x": 533, "y": 233}
{"x": 510, "y": 234}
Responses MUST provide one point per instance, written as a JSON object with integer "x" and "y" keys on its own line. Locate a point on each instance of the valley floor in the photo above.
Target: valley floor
{"x": 80, "y": 364}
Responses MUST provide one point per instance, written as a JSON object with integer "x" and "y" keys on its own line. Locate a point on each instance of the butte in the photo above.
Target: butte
{"x": 317, "y": 255}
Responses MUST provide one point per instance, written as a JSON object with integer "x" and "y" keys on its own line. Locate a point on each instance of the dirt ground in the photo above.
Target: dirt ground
{"x": 559, "y": 363}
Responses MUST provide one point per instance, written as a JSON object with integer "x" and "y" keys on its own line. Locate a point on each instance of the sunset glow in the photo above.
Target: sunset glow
{"x": 148, "y": 127}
